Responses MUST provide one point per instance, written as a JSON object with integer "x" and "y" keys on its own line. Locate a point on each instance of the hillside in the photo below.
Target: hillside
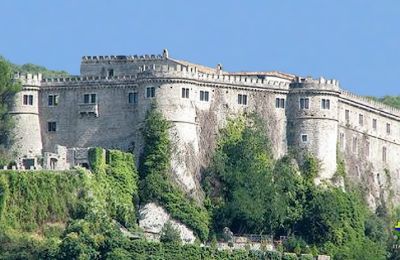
{"x": 33, "y": 68}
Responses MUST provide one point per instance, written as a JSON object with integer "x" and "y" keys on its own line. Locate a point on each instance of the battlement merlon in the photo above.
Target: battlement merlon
{"x": 186, "y": 72}
{"x": 317, "y": 84}
{"x": 28, "y": 79}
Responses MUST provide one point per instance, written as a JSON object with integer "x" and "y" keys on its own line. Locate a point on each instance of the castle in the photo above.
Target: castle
{"x": 58, "y": 119}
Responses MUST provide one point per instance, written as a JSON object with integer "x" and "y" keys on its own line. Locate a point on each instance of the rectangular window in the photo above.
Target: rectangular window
{"x": 374, "y": 123}
{"x": 53, "y": 100}
{"x": 304, "y": 103}
{"x": 347, "y": 116}
{"x": 204, "y": 95}
{"x": 28, "y": 100}
{"x": 384, "y": 154}
{"x": 110, "y": 73}
{"x": 242, "y": 99}
{"x": 133, "y": 98}
{"x": 185, "y": 93}
{"x": 280, "y": 103}
{"x": 367, "y": 149}
{"x": 150, "y": 92}
{"x": 93, "y": 98}
{"x": 89, "y": 98}
{"x": 86, "y": 98}
{"x": 354, "y": 148}
{"x": 341, "y": 141}
{"x": 388, "y": 128}
{"x": 361, "y": 119}
{"x": 325, "y": 104}
{"x": 51, "y": 126}
{"x": 304, "y": 138}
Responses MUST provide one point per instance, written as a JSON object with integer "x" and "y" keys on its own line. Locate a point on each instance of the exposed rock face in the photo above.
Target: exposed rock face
{"x": 152, "y": 219}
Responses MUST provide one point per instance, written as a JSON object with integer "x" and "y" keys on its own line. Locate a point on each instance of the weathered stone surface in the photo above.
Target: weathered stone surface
{"x": 152, "y": 218}
{"x": 112, "y": 122}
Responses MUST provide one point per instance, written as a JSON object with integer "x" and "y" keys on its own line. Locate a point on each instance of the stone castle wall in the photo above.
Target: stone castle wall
{"x": 112, "y": 122}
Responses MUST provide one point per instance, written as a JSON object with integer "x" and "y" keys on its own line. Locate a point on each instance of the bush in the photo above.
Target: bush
{"x": 306, "y": 257}
{"x": 156, "y": 182}
{"x": 289, "y": 256}
{"x": 169, "y": 234}
{"x": 273, "y": 255}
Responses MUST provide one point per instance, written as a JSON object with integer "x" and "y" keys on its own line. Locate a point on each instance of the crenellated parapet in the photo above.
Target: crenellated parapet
{"x": 321, "y": 83}
{"x": 178, "y": 72}
{"x": 369, "y": 104}
{"x": 121, "y": 58}
{"x": 29, "y": 79}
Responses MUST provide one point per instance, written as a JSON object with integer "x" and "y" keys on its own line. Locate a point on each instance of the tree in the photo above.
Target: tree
{"x": 170, "y": 234}
{"x": 8, "y": 88}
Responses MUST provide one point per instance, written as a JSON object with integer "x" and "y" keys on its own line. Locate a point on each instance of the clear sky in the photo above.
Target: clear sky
{"x": 356, "y": 42}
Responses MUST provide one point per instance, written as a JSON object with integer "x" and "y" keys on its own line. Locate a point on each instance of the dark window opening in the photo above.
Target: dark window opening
{"x": 150, "y": 92}
{"x": 304, "y": 103}
{"x": 204, "y": 95}
{"x": 53, "y": 100}
{"x": 133, "y": 98}
{"x": 185, "y": 93}
{"x": 28, "y": 100}
{"x": 51, "y": 126}
{"x": 242, "y": 99}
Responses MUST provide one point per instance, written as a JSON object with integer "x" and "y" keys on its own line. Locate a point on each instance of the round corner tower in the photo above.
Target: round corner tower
{"x": 313, "y": 121}
{"x": 25, "y": 110}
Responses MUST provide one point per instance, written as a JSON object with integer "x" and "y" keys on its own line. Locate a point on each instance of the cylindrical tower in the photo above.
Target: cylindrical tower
{"x": 25, "y": 110}
{"x": 313, "y": 121}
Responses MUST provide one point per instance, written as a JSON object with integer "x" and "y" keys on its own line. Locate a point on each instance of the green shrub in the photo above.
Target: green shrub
{"x": 306, "y": 257}
{"x": 273, "y": 255}
{"x": 156, "y": 182}
{"x": 289, "y": 256}
{"x": 169, "y": 234}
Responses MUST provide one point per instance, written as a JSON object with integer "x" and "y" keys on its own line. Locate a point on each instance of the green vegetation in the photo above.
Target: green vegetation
{"x": 78, "y": 214}
{"x": 156, "y": 180}
{"x": 8, "y": 88}
{"x": 169, "y": 234}
{"x": 34, "y": 69}
{"x": 250, "y": 192}
{"x": 393, "y": 101}
{"x": 71, "y": 214}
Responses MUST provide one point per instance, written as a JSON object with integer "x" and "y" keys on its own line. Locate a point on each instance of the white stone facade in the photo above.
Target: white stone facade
{"x": 124, "y": 87}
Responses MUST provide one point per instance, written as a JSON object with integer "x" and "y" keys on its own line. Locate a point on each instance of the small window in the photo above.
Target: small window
{"x": 367, "y": 148}
{"x": 133, "y": 98}
{"x": 89, "y": 98}
{"x": 342, "y": 140}
{"x": 384, "y": 154}
{"x": 325, "y": 104}
{"x": 150, "y": 92}
{"x": 361, "y": 119}
{"x": 280, "y": 103}
{"x": 110, "y": 73}
{"x": 388, "y": 128}
{"x": 53, "y": 100}
{"x": 374, "y": 123}
{"x": 28, "y": 100}
{"x": 185, "y": 93}
{"x": 204, "y": 95}
{"x": 51, "y": 126}
{"x": 242, "y": 99}
{"x": 347, "y": 115}
{"x": 304, "y": 138}
{"x": 93, "y": 98}
{"x": 86, "y": 98}
{"x": 354, "y": 147}
{"x": 304, "y": 103}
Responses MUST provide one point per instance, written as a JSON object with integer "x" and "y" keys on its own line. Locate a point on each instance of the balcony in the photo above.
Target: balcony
{"x": 89, "y": 110}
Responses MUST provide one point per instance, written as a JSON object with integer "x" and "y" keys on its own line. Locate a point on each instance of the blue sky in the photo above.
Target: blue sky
{"x": 356, "y": 42}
